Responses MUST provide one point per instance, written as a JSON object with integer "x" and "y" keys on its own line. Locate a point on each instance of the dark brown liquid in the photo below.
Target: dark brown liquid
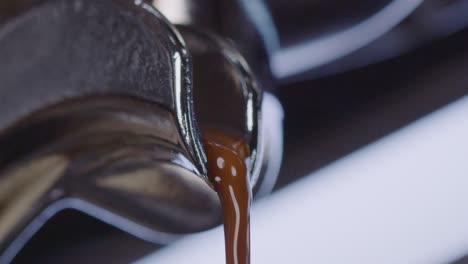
{"x": 228, "y": 173}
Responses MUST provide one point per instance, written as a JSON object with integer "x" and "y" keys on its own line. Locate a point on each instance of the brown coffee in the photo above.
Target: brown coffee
{"x": 228, "y": 173}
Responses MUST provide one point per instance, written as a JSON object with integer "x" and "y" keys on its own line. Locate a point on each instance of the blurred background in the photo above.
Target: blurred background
{"x": 375, "y": 128}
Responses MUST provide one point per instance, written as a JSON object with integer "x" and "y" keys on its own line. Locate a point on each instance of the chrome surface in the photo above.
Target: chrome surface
{"x": 226, "y": 95}
{"x": 98, "y": 115}
{"x": 65, "y": 49}
{"x": 243, "y": 23}
{"x": 97, "y": 107}
{"x": 113, "y": 156}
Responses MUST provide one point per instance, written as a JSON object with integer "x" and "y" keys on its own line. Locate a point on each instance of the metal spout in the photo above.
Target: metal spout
{"x": 101, "y": 112}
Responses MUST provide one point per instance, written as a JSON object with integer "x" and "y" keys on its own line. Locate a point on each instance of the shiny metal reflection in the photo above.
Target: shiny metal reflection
{"x": 122, "y": 140}
{"x": 227, "y": 96}
{"x": 113, "y": 132}
{"x": 120, "y": 155}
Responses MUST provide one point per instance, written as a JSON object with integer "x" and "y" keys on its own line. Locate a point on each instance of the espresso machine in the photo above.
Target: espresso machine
{"x": 102, "y": 101}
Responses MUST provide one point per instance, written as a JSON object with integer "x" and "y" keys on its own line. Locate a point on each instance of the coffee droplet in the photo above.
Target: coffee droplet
{"x": 228, "y": 173}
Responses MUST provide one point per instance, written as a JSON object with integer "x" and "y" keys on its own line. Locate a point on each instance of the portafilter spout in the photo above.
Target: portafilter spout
{"x": 98, "y": 115}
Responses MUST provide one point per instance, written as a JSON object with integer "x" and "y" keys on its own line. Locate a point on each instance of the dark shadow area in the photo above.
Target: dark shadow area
{"x": 328, "y": 118}
{"x": 463, "y": 260}
{"x": 73, "y": 237}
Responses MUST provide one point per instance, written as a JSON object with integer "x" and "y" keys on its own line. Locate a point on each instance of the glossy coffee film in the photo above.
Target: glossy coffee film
{"x": 228, "y": 173}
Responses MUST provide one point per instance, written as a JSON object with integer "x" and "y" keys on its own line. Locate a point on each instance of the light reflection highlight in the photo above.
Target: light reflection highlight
{"x": 308, "y": 55}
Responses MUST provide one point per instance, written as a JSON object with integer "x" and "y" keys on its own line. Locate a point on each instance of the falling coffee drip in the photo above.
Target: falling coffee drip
{"x": 228, "y": 173}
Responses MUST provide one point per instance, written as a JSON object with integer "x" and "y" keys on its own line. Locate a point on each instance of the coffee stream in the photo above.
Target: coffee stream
{"x": 228, "y": 173}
